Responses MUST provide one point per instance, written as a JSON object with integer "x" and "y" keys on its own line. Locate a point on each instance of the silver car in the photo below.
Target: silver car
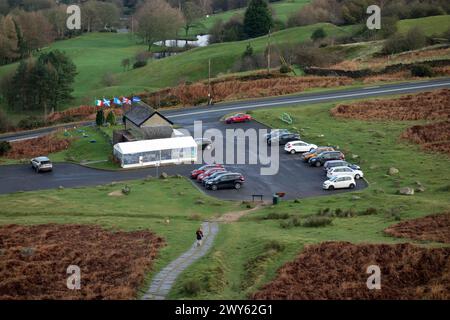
{"x": 41, "y": 164}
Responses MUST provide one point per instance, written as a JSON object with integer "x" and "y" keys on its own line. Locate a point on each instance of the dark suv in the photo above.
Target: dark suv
{"x": 284, "y": 138}
{"x": 323, "y": 157}
{"x": 226, "y": 181}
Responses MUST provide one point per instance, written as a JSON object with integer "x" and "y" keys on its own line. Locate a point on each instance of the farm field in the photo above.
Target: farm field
{"x": 175, "y": 220}
{"x": 258, "y": 244}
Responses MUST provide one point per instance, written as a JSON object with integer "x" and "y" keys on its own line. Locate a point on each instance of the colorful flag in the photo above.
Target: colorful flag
{"x": 106, "y": 102}
{"x": 125, "y": 100}
{"x": 117, "y": 101}
{"x": 99, "y": 103}
{"x": 136, "y": 99}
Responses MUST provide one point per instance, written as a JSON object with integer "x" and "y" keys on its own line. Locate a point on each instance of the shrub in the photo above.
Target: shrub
{"x": 111, "y": 118}
{"x": 414, "y": 39}
{"x": 421, "y": 70}
{"x": 285, "y": 68}
{"x": 317, "y": 221}
{"x": 318, "y": 34}
{"x": 5, "y": 146}
{"x": 31, "y": 122}
{"x": 277, "y": 216}
{"x": 368, "y": 211}
{"x": 5, "y": 125}
{"x": 100, "y": 117}
{"x": 109, "y": 79}
{"x": 139, "y": 64}
{"x": 192, "y": 287}
{"x": 126, "y": 190}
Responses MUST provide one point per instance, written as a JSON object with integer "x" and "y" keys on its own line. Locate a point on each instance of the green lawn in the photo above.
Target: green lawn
{"x": 243, "y": 258}
{"x": 282, "y": 10}
{"x": 148, "y": 206}
{"x": 435, "y": 25}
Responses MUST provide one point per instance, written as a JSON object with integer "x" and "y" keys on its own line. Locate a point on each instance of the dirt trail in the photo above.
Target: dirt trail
{"x": 236, "y": 215}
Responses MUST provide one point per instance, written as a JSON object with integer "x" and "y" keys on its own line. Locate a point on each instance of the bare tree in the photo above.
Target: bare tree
{"x": 192, "y": 12}
{"x": 158, "y": 21}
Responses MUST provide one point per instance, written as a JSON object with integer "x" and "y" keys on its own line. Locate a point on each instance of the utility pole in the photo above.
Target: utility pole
{"x": 209, "y": 82}
{"x": 268, "y": 53}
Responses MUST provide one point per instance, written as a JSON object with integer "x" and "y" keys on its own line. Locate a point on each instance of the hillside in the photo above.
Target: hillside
{"x": 429, "y": 25}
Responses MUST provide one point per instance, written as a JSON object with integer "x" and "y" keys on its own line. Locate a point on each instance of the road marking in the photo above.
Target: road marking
{"x": 287, "y": 102}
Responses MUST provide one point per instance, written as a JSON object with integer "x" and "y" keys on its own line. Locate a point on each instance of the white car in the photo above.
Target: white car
{"x": 344, "y": 171}
{"x": 41, "y": 164}
{"x": 339, "y": 182}
{"x": 299, "y": 146}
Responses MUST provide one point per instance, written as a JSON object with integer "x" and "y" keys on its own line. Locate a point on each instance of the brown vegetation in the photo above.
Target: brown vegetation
{"x": 431, "y": 137}
{"x": 337, "y": 270}
{"x": 434, "y": 105}
{"x": 430, "y": 228}
{"x": 34, "y": 261}
{"x": 233, "y": 89}
{"x": 37, "y": 147}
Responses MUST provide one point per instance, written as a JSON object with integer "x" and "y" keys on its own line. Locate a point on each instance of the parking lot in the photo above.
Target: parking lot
{"x": 295, "y": 178}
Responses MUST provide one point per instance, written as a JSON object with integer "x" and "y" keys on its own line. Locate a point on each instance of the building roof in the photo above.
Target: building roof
{"x": 141, "y": 112}
{"x": 155, "y": 145}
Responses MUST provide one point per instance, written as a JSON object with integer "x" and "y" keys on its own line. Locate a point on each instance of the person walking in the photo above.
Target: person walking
{"x": 199, "y": 235}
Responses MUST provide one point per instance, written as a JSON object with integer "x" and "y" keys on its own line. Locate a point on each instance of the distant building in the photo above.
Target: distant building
{"x": 144, "y": 123}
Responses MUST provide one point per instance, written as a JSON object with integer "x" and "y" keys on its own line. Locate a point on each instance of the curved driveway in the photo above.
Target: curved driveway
{"x": 294, "y": 177}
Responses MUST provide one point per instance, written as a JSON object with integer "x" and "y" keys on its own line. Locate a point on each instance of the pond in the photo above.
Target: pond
{"x": 202, "y": 41}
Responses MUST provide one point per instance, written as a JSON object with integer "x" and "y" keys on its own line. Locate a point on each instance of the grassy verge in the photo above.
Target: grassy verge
{"x": 260, "y": 243}
{"x": 149, "y": 205}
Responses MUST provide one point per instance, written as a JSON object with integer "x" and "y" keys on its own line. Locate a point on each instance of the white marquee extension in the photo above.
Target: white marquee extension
{"x": 156, "y": 152}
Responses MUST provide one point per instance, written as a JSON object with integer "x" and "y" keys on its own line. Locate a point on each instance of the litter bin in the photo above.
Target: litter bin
{"x": 275, "y": 199}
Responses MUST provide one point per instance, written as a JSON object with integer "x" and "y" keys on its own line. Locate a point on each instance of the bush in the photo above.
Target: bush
{"x": 397, "y": 43}
{"x": 111, "y": 118}
{"x": 139, "y": 64}
{"x": 5, "y": 146}
{"x": 192, "y": 287}
{"x": 277, "y": 216}
{"x": 126, "y": 190}
{"x": 31, "y": 122}
{"x": 285, "y": 68}
{"x": 293, "y": 222}
{"x": 422, "y": 70}
{"x": 368, "y": 212}
{"x": 317, "y": 221}
{"x": 5, "y": 125}
{"x": 274, "y": 245}
{"x": 100, "y": 117}
{"x": 318, "y": 34}
{"x": 109, "y": 79}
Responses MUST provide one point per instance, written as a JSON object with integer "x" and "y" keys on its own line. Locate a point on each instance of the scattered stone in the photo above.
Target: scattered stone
{"x": 406, "y": 191}
{"x": 126, "y": 190}
{"x": 61, "y": 188}
{"x": 181, "y": 193}
{"x": 297, "y": 201}
{"x": 418, "y": 183}
{"x": 355, "y": 156}
{"x": 163, "y": 175}
{"x": 199, "y": 201}
{"x": 392, "y": 171}
{"x": 354, "y": 197}
{"x": 320, "y": 135}
{"x": 420, "y": 189}
{"x": 116, "y": 193}
{"x": 179, "y": 176}
{"x": 373, "y": 167}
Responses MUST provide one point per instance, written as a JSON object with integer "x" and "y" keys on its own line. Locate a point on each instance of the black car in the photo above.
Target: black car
{"x": 324, "y": 157}
{"x": 284, "y": 138}
{"x": 213, "y": 176}
{"x": 226, "y": 181}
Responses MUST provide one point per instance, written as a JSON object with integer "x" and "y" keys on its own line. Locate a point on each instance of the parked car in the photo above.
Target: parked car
{"x": 339, "y": 163}
{"x": 226, "y": 181}
{"x": 41, "y": 164}
{"x": 344, "y": 171}
{"x": 298, "y": 146}
{"x": 196, "y": 172}
{"x": 323, "y": 157}
{"x": 209, "y": 172}
{"x": 283, "y": 138}
{"x": 275, "y": 133}
{"x": 213, "y": 176}
{"x": 339, "y": 182}
{"x": 203, "y": 143}
{"x": 239, "y": 117}
{"x": 307, "y": 155}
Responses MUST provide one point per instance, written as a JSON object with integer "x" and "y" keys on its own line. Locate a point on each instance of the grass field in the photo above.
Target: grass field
{"x": 435, "y": 25}
{"x": 146, "y": 207}
{"x": 247, "y": 253}
{"x": 281, "y": 9}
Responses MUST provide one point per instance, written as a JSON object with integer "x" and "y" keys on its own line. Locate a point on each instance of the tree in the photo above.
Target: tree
{"x": 257, "y": 19}
{"x": 318, "y": 34}
{"x": 111, "y": 118}
{"x": 158, "y": 21}
{"x": 125, "y": 63}
{"x": 192, "y": 12}
{"x": 8, "y": 40}
{"x": 57, "y": 17}
{"x": 100, "y": 117}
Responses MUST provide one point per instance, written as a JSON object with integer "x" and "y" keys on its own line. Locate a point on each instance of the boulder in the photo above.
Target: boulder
{"x": 356, "y": 197}
{"x": 163, "y": 175}
{"x": 406, "y": 191}
{"x": 420, "y": 189}
{"x": 392, "y": 171}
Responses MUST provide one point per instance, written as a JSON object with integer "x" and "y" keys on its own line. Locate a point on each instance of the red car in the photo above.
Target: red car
{"x": 209, "y": 172}
{"x": 239, "y": 117}
{"x": 196, "y": 172}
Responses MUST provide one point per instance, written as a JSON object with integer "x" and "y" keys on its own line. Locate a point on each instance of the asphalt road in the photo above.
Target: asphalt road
{"x": 294, "y": 178}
